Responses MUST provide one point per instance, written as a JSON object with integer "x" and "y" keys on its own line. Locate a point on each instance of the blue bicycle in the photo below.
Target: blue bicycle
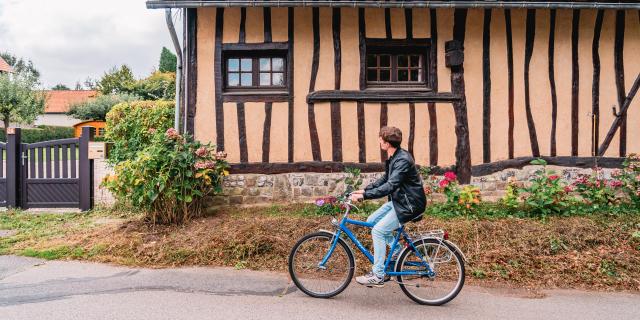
{"x": 429, "y": 269}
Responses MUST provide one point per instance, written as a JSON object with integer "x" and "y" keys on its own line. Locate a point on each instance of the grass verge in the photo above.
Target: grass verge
{"x": 598, "y": 251}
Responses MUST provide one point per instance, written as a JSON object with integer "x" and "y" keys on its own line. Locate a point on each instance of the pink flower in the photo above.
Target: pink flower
{"x": 553, "y": 177}
{"x": 172, "y": 133}
{"x": 201, "y": 152}
{"x": 615, "y": 183}
{"x": 616, "y": 173}
{"x": 568, "y": 189}
{"x": 220, "y": 155}
{"x": 638, "y": 177}
{"x": 152, "y": 130}
{"x": 450, "y": 175}
{"x": 205, "y": 164}
{"x": 443, "y": 183}
{"x": 320, "y": 202}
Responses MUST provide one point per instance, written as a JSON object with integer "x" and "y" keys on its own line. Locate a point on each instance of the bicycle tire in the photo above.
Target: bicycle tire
{"x": 402, "y": 280}
{"x": 341, "y": 248}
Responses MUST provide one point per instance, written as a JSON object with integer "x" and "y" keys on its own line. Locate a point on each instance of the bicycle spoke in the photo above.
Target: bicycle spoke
{"x": 319, "y": 280}
{"x": 448, "y": 269}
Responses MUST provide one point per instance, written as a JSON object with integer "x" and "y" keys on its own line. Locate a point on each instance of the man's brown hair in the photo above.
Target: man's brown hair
{"x": 392, "y": 135}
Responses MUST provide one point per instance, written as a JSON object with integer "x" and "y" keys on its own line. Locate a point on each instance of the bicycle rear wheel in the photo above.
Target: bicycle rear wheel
{"x": 305, "y": 270}
{"x": 445, "y": 261}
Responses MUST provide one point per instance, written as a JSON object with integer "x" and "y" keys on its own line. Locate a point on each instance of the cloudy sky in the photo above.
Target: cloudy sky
{"x": 70, "y": 40}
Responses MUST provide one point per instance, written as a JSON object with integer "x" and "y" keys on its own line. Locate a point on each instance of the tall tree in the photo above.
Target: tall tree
{"x": 20, "y": 101}
{"x": 22, "y": 66}
{"x": 60, "y": 86}
{"x": 168, "y": 61}
{"x": 116, "y": 81}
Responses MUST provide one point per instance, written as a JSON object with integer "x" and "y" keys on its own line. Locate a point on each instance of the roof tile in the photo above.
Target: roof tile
{"x": 60, "y": 101}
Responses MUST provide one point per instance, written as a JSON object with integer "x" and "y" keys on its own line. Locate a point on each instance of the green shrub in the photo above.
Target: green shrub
{"x": 43, "y": 133}
{"x": 97, "y": 109}
{"x": 131, "y": 126}
{"x": 595, "y": 190}
{"x": 630, "y": 178}
{"x": 169, "y": 177}
{"x": 547, "y": 192}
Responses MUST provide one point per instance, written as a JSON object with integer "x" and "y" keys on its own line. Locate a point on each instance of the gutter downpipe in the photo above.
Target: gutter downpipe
{"x": 176, "y": 44}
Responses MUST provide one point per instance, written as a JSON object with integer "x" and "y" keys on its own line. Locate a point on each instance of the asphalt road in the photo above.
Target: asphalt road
{"x": 37, "y": 289}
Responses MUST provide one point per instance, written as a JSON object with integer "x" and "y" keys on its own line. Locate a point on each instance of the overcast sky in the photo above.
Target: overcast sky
{"x": 70, "y": 40}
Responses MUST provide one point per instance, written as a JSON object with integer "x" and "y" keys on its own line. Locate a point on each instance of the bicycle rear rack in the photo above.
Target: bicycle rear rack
{"x": 433, "y": 234}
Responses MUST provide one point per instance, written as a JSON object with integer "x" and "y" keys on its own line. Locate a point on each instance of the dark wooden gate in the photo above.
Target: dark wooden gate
{"x": 3, "y": 175}
{"x": 50, "y": 174}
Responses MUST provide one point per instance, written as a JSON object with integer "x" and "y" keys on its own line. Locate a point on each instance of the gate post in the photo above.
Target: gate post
{"x": 86, "y": 170}
{"x": 14, "y": 161}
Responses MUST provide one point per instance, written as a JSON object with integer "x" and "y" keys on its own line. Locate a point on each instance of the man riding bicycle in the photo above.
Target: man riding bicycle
{"x": 402, "y": 184}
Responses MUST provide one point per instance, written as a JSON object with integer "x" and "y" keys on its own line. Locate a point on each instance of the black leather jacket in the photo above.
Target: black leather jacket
{"x": 403, "y": 184}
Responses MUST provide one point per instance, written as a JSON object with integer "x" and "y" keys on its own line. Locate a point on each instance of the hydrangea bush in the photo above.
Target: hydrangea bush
{"x": 169, "y": 178}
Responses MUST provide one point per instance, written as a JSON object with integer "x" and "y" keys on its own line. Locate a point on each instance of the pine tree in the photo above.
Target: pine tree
{"x": 167, "y": 61}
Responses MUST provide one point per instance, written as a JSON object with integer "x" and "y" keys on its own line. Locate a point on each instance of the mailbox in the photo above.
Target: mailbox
{"x": 98, "y": 150}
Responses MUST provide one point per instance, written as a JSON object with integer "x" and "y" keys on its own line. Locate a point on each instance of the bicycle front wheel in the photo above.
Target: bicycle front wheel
{"x": 431, "y": 289}
{"x": 321, "y": 281}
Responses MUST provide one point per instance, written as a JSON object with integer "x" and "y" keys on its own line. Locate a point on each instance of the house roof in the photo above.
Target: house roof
{"x": 569, "y": 4}
{"x": 60, "y": 101}
{"x": 4, "y": 66}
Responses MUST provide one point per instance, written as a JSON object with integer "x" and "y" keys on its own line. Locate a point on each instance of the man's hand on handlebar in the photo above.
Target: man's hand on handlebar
{"x": 357, "y": 195}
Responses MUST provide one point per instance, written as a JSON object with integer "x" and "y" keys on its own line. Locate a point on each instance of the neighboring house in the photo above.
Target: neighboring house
{"x": 5, "y": 67}
{"x": 98, "y": 125}
{"x": 58, "y": 104}
{"x": 306, "y": 86}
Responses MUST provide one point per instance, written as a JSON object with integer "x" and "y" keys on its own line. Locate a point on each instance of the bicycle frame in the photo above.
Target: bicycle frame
{"x": 342, "y": 227}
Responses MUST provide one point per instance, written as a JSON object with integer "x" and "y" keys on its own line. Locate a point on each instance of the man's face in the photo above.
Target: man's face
{"x": 383, "y": 144}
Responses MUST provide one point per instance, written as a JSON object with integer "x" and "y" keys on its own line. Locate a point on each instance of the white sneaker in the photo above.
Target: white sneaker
{"x": 370, "y": 280}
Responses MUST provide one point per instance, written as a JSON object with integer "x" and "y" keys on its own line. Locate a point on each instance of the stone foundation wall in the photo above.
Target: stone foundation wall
{"x": 252, "y": 189}
{"x": 255, "y": 189}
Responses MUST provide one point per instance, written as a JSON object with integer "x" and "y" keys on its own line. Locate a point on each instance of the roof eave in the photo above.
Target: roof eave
{"x": 161, "y": 4}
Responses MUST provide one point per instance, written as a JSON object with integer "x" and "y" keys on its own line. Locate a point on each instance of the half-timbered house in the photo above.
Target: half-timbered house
{"x": 304, "y": 86}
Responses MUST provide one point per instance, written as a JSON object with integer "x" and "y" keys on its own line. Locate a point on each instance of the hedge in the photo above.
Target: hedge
{"x": 42, "y": 133}
{"x": 131, "y": 125}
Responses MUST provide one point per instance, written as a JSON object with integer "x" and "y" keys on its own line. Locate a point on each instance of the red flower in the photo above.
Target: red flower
{"x": 553, "y": 177}
{"x": 615, "y": 183}
{"x": 443, "y": 183}
{"x": 450, "y": 175}
{"x": 568, "y": 189}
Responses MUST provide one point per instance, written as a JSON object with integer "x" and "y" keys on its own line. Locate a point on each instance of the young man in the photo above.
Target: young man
{"x": 403, "y": 186}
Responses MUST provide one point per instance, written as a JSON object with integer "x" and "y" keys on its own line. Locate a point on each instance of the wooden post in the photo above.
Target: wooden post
{"x": 14, "y": 160}
{"x": 454, "y": 60}
{"x": 86, "y": 170}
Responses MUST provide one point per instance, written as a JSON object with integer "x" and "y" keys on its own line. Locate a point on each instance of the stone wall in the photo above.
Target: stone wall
{"x": 303, "y": 187}
{"x": 101, "y": 196}
{"x": 255, "y": 189}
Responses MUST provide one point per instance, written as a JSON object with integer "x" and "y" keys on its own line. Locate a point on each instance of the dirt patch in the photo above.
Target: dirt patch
{"x": 593, "y": 253}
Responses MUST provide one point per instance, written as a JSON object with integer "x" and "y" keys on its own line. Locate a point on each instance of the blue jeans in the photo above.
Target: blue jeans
{"x": 385, "y": 222}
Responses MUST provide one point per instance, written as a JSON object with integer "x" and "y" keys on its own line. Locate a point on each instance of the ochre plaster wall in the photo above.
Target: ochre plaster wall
{"x": 398, "y": 114}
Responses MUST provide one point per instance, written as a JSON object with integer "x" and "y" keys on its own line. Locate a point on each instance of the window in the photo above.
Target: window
{"x": 397, "y": 63}
{"x": 255, "y": 72}
{"x": 401, "y": 68}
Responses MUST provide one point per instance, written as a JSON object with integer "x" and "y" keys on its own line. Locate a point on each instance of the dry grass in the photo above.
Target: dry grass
{"x": 596, "y": 253}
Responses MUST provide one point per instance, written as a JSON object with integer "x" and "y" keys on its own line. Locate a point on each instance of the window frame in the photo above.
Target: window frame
{"x": 395, "y": 48}
{"x": 255, "y": 55}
